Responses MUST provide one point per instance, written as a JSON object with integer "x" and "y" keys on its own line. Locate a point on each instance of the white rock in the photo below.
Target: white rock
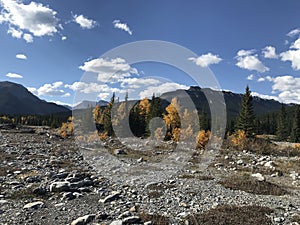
{"x": 116, "y": 222}
{"x": 60, "y": 186}
{"x": 34, "y": 205}
{"x": 240, "y": 162}
{"x": 84, "y": 219}
{"x": 258, "y": 176}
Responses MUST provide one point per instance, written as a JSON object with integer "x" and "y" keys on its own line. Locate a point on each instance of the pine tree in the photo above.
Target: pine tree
{"x": 282, "y": 126}
{"x": 246, "y": 117}
{"x": 295, "y": 136}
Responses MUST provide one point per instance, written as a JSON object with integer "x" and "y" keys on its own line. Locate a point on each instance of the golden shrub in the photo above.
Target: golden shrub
{"x": 202, "y": 138}
{"x": 239, "y": 139}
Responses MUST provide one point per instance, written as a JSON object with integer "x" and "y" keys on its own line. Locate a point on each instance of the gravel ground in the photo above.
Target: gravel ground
{"x": 48, "y": 180}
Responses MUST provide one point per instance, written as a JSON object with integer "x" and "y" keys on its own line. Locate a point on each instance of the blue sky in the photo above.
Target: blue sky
{"x": 48, "y": 45}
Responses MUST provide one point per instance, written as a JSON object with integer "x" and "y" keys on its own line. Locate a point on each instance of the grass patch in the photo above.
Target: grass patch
{"x": 296, "y": 218}
{"x": 233, "y": 215}
{"x": 156, "y": 219}
{"x": 155, "y": 194}
{"x": 248, "y": 184}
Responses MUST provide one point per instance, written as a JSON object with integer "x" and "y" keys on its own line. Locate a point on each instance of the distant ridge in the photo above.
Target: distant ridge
{"x": 15, "y": 99}
{"x": 233, "y": 101}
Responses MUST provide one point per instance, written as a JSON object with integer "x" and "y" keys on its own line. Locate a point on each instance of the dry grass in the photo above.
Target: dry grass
{"x": 192, "y": 176}
{"x": 248, "y": 184}
{"x": 233, "y": 215}
{"x": 289, "y": 165}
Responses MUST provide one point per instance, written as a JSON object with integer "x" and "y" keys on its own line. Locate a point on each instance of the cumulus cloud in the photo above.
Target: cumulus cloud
{"x": 160, "y": 89}
{"x": 248, "y": 60}
{"x": 261, "y": 79}
{"x": 14, "y": 75}
{"x": 54, "y": 89}
{"x": 288, "y": 88}
{"x": 138, "y": 82}
{"x": 21, "y": 56}
{"x": 84, "y": 22}
{"x": 270, "y": 97}
{"x": 88, "y": 88}
{"x": 104, "y": 96}
{"x": 15, "y": 33}
{"x": 123, "y": 26}
{"x": 294, "y": 32}
{"x": 109, "y": 70}
{"x": 269, "y": 52}
{"x": 293, "y": 55}
{"x": 28, "y": 38}
{"x": 250, "y": 77}
{"x": 206, "y": 60}
{"x": 34, "y": 19}
{"x": 63, "y": 38}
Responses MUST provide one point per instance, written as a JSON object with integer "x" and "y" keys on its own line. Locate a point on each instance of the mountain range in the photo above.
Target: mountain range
{"x": 15, "y": 99}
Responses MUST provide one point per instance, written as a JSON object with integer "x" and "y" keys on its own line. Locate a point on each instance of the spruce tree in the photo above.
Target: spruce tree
{"x": 282, "y": 125}
{"x": 246, "y": 117}
{"x": 295, "y": 136}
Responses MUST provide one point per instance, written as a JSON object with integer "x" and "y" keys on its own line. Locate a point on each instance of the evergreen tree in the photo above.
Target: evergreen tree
{"x": 107, "y": 124}
{"x": 282, "y": 126}
{"x": 204, "y": 123}
{"x": 295, "y": 136}
{"x": 246, "y": 117}
{"x": 155, "y": 107}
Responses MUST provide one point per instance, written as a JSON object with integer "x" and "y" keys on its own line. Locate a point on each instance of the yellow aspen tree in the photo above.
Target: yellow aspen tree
{"x": 172, "y": 119}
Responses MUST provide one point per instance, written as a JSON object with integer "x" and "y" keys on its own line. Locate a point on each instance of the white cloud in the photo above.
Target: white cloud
{"x": 33, "y": 18}
{"x": 109, "y": 70}
{"x": 21, "y": 56}
{"x": 288, "y": 88}
{"x": 293, "y": 55}
{"x": 206, "y": 60}
{"x": 269, "y": 52}
{"x": 294, "y": 32}
{"x": 84, "y": 22}
{"x": 248, "y": 60}
{"x": 104, "y": 96}
{"x": 14, "y": 75}
{"x": 15, "y": 33}
{"x": 54, "y": 89}
{"x": 138, "y": 82}
{"x": 160, "y": 89}
{"x": 63, "y": 38}
{"x": 88, "y": 88}
{"x": 61, "y": 103}
{"x": 250, "y": 77}
{"x": 123, "y": 26}
{"x": 28, "y": 38}
{"x": 261, "y": 79}
{"x": 270, "y": 97}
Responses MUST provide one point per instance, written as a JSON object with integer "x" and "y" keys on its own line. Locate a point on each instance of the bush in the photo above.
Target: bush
{"x": 202, "y": 138}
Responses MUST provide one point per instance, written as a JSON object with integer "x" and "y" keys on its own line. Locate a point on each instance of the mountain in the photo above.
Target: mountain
{"x": 233, "y": 101}
{"x": 88, "y": 104}
{"x": 15, "y": 99}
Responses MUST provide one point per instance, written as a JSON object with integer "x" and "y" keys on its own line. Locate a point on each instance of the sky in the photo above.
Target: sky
{"x": 53, "y": 47}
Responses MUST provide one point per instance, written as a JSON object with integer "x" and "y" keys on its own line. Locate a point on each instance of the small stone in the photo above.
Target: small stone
{"x": 116, "y": 222}
{"x": 278, "y": 219}
{"x": 258, "y": 176}
{"x": 34, "y": 205}
{"x": 240, "y": 162}
{"x": 2, "y": 201}
{"x": 131, "y": 220}
{"x": 119, "y": 152}
{"x": 84, "y": 220}
{"x": 60, "y": 186}
{"x": 112, "y": 197}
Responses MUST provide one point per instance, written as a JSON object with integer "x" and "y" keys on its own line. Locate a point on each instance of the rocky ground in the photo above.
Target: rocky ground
{"x": 48, "y": 180}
